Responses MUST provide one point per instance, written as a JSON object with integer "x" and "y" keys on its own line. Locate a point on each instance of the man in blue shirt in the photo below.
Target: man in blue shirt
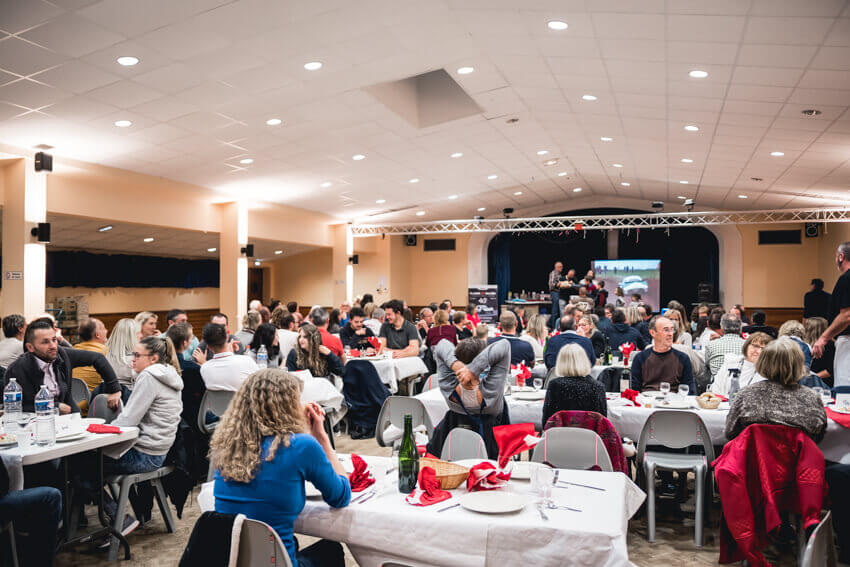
{"x": 521, "y": 351}
{"x": 567, "y": 336}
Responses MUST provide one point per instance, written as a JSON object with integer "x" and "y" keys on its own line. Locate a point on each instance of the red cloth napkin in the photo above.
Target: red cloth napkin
{"x": 627, "y": 349}
{"x": 361, "y": 478}
{"x": 632, "y": 395}
{"x": 354, "y": 353}
{"x": 839, "y": 418}
{"x": 523, "y": 375}
{"x": 428, "y": 490}
{"x": 376, "y": 344}
{"x": 514, "y": 439}
{"x": 485, "y": 476}
{"x": 101, "y": 428}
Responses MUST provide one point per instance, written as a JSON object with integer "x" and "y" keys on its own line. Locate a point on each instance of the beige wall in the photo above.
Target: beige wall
{"x": 306, "y": 278}
{"x": 836, "y": 233}
{"x": 372, "y": 273}
{"x": 129, "y": 299}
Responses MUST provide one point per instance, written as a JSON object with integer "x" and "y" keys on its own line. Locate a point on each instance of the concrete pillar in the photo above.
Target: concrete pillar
{"x": 24, "y": 257}
{"x": 233, "y": 265}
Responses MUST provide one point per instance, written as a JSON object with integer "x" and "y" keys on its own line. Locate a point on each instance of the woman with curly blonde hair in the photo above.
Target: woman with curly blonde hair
{"x": 264, "y": 449}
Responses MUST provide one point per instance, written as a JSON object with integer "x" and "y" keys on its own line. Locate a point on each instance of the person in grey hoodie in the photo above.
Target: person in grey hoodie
{"x": 154, "y": 407}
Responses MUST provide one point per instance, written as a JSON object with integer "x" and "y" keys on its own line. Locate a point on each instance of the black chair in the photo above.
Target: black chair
{"x": 610, "y": 379}
{"x": 364, "y": 393}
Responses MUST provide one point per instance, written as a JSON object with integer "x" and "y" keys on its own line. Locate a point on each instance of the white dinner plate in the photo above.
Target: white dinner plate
{"x": 837, "y": 409}
{"x": 92, "y": 420}
{"x": 493, "y": 502}
{"x": 521, "y": 470}
{"x": 673, "y": 404}
{"x": 533, "y": 396}
{"x": 311, "y": 491}
{"x": 8, "y": 439}
{"x": 522, "y": 389}
{"x": 71, "y": 436}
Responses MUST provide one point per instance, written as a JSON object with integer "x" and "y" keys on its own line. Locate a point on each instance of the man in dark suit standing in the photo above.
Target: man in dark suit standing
{"x": 816, "y": 301}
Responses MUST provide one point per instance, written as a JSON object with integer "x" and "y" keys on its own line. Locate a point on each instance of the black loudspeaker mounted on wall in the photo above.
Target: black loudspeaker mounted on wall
{"x": 410, "y": 240}
{"x": 248, "y": 250}
{"x": 42, "y": 232}
{"x": 812, "y": 230}
{"x": 354, "y": 260}
{"x": 43, "y": 162}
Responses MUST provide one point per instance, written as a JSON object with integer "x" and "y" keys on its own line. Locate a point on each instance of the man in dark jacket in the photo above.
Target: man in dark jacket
{"x": 816, "y": 301}
{"x": 619, "y": 332}
{"x": 45, "y": 362}
{"x": 566, "y": 337}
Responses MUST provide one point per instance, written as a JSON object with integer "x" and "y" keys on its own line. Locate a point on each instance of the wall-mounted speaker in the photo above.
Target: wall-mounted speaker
{"x": 43, "y": 162}
{"x": 42, "y": 232}
{"x": 812, "y": 230}
{"x": 410, "y": 240}
{"x": 248, "y": 250}
{"x": 354, "y": 260}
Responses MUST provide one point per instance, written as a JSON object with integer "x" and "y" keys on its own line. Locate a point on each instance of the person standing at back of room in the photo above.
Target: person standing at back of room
{"x": 816, "y": 301}
{"x": 839, "y": 317}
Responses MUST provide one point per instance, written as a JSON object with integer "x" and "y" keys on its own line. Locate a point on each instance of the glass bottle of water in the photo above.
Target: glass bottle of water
{"x": 45, "y": 421}
{"x": 736, "y": 384}
{"x": 262, "y": 357}
{"x": 12, "y": 401}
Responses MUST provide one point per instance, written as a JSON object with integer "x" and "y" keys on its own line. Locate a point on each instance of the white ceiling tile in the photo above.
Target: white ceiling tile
{"x": 697, "y": 53}
{"x": 785, "y": 31}
{"x": 171, "y": 78}
{"x": 31, "y": 94}
{"x": 24, "y": 58}
{"x": 165, "y": 108}
{"x": 133, "y": 18}
{"x": 76, "y": 77}
{"x": 759, "y": 93}
{"x": 836, "y": 58}
{"x": 79, "y": 108}
{"x": 160, "y": 134}
{"x": 840, "y": 33}
{"x": 628, "y": 25}
{"x": 768, "y": 76}
{"x": 72, "y": 35}
{"x": 776, "y": 55}
{"x": 124, "y": 94}
{"x": 825, "y": 80}
{"x": 19, "y": 15}
{"x": 634, "y": 49}
{"x": 711, "y": 29}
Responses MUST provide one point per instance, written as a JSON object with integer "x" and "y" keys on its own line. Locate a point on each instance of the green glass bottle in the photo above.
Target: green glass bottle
{"x": 408, "y": 459}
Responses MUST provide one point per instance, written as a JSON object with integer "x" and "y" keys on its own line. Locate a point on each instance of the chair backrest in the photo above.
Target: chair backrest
{"x": 393, "y": 412}
{"x": 572, "y": 448}
{"x": 100, "y": 409}
{"x": 215, "y": 401}
{"x": 260, "y": 545}
{"x": 674, "y": 429}
{"x": 820, "y": 550}
{"x": 550, "y": 374}
{"x": 840, "y": 390}
{"x": 79, "y": 391}
{"x": 462, "y": 444}
{"x": 432, "y": 382}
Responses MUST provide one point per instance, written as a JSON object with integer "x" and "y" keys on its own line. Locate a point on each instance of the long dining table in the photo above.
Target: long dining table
{"x": 394, "y": 370}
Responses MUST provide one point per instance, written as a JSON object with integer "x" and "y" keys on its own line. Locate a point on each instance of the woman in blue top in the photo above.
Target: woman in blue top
{"x": 266, "y": 445}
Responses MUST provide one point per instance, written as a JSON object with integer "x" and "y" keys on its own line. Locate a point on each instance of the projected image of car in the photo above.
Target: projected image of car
{"x": 632, "y": 284}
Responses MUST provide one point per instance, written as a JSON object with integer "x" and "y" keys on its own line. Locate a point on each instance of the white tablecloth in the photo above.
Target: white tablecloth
{"x": 391, "y": 370}
{"x": 520, "y": 411}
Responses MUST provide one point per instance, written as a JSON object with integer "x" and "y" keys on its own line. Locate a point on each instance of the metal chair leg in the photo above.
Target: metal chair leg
{"x": 13, "y": 547}
{"x": 164, "y": 509}
{"x": 649, "y": 468}
{"x": 118, "y": 520}
{"x": 699, "y": 498}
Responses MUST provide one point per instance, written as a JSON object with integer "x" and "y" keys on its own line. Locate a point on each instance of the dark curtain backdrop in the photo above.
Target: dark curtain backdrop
{"x": 523, "y": 260}
{"x": 84, "y": 269}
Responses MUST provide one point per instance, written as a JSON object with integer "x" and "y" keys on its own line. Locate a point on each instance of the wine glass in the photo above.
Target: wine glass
{"x": 664, "y": 387}
{"x": 542, "y": 478}
{"x": 683, "y": 390}
{"x": 537, "y": 383}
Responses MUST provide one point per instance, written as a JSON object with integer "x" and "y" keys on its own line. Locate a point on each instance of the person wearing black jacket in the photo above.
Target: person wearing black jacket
{"x": 45, "y": 362}
{"x": 355, "y": 334}
{"x": 816, "y": 301}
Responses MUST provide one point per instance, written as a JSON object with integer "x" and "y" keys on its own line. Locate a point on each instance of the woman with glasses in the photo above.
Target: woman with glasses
{"x": 742, "y": 366}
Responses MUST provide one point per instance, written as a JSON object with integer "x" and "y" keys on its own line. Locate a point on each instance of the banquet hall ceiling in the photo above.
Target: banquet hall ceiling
{"x": 212, "y": 72}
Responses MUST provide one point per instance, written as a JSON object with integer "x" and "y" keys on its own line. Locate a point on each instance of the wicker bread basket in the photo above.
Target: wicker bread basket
{"x": 449, "y": 474}
{"x": 708, "y": 403}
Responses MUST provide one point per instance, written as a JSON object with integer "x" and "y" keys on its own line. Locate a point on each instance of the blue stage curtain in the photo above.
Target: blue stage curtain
{"x": 500, "y": 264}
{"x": 84, "y": 269}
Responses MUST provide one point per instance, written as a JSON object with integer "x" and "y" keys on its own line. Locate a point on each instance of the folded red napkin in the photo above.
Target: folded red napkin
{"x": 839, "y": 418}
{"x": 514, "y": 439}
{"x": 354, "y": 353}
{"x": 376, "y": 344}
{"x": 485, "y": 476}
{"x": 627, "y": 349}
{"x": 101, "y": 428}
{"x": 632, "y": 395}
{"x": 523, "y": 374}
{"x": 428, "y": 490}
{"x": 361, "y": 478}
{"x": 722, "y": 397}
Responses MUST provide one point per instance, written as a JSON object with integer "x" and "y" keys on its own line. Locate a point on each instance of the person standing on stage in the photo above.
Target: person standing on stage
{"x": 839, "y": 315}
{"x": 554, "y": 291}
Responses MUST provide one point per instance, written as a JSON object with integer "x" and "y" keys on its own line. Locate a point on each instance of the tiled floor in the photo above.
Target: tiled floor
{"x": 153, "y": 547}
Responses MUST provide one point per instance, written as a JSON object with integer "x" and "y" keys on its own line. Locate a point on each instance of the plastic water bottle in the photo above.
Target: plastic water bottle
{"x": 45, "y": 421}
{"x": 262, "y": 357}
{"x": 736, "y": 384}
{"x": 12, "y": 400}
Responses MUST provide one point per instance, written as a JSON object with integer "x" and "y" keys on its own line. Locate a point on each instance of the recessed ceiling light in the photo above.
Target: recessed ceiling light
{"x": 626, "y": 184}
{"x": 413, "y": 180}
{"x": 457, "y": 155}
{"x": 246, "y": 161}
{"x": 492, "y": 177}
{"x": 211, "y": 249}
{"x": 687, "y": 160}
{"x": 552, "y": 161}
{"x": 452, "y": 197}
{"x": 313, "y": 65}
{"x": 274, "y": 121}
{"x": 742, "y": 197}
{"x": 617, "y": 165}
{"x": 128, "y": 61}
{"x": 557, "y": 25}
{"x": 777, "y": 154}
{"x": 358, "y": 157}
{"x": 105, "y": 228}
{"x": 588, "y": 97}
{"x": 479, "y": 209}
{"x": 698, "y": 74}
{"x": 562, "y": 174}
{"x": 577, "y": 190}
{"x": 606, "y": 139}
{"x": 123, "y": 123}
{"x": 683, "y": 182}
{"x": 257, "y": 262}
{"x": 325, "y": 185}
{"x": 542, "y": 152}
{"x": 420, "y": 213}
{"x": 381, "y": 201}
{"x": 278, "y": 252}
{"x": 465, "y": 70}
{"x": 148, "y": 239}
{"x": 517, "y": 193}
{"x": 691, "y": 128}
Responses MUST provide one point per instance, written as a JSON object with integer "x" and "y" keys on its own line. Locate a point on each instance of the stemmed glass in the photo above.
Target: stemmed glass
{"x": 665, "y": 388}
{"x": 683, "y": 390}
{"x": 537, "y": 383}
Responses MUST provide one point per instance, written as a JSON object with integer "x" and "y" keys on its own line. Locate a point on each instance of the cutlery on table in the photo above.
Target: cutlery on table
{"x": 449, "y": 507}
{"x": 360, "y": 497}
{"x": 553, "y": 506}
{"x": 581, "y": 485}
{"x": 543, "y": 516}
{"x": 367, "y": 498}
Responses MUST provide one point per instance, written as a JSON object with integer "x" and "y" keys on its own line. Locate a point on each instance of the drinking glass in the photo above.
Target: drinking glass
{"x": 683, "y": 389}
{"x": 537, "y": 383}
{"x": 826, "y": 396}
{"x": 541, "y": 481}
{"x": 665, "y": 388}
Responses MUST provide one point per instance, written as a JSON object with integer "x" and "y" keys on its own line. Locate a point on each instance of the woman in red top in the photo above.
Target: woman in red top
{"x": 441, "y": 329}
